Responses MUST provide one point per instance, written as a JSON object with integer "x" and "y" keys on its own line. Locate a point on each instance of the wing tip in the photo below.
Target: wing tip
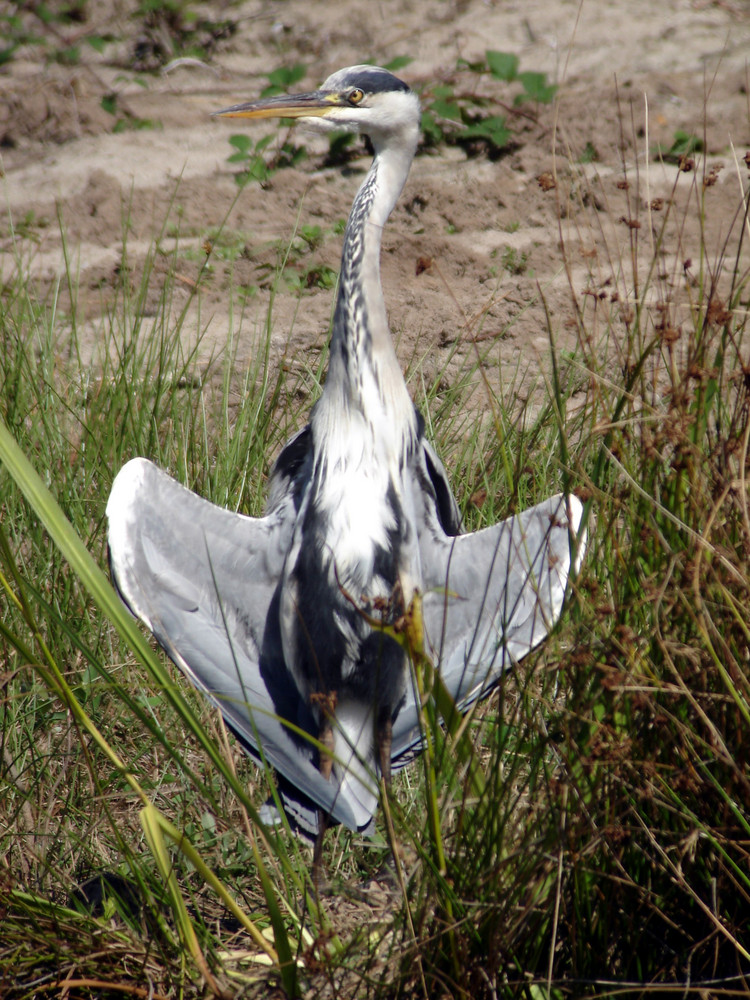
{"x": 575, "y": 510}
{"x": 121, "y": 506}
{"x": 122, "y": 515}
{"x": 125, "y": 487}
{"x": 579, "y": 540}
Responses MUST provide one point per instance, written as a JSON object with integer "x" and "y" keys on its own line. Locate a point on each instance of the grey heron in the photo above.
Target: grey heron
{"x": 274, "y": 617}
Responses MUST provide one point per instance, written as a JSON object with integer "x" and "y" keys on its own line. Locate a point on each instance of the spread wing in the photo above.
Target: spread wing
{"x": 491, "y": 597}
{"x": 204, "y": 580}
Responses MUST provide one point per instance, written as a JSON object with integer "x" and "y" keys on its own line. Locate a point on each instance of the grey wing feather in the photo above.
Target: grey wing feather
{"x": 204, "y": 580}
{"x": 493, "y": 596}
{"x": 490, "y": 598}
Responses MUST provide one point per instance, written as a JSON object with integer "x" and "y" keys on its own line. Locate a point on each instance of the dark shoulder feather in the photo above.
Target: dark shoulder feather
{"x": 291, "y": 469}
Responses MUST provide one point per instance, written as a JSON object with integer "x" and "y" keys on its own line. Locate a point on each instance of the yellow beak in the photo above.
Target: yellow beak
{"x": 315, "y": 104}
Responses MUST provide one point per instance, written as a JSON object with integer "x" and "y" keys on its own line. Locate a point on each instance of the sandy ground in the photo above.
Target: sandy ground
{"x": 475, "y": 247}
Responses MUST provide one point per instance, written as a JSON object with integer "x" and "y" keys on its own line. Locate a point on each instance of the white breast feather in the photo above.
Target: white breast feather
{"x": 363, "y": 456}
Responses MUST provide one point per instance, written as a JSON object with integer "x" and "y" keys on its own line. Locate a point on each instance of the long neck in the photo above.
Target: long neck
{"x": 364, "y": 375}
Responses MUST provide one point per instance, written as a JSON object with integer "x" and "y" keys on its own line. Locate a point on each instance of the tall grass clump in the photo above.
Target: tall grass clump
{"x": 105, "y": 765}
{"x": 606, "y": 850}
{"x": 657, "y": 682}
{"x": 584, "y": 831}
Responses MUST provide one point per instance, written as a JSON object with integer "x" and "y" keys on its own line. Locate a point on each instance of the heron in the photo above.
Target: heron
{"x": 286, "y": 621}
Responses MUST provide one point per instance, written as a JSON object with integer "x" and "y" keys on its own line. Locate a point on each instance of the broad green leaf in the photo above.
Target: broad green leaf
{"x": 503, "y": 65}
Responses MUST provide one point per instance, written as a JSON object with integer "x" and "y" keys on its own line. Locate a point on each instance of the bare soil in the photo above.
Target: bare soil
{"x": 481, "y": 252}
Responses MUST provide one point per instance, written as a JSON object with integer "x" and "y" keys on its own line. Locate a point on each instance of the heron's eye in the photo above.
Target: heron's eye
{"x": 356, "y": 96}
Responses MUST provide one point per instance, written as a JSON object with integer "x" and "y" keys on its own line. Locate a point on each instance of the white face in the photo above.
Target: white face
{"x": 384, "y": 113}
{"x": 377, "y": 102}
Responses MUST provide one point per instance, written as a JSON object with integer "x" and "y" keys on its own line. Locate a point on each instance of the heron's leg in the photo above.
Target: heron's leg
{"x": 327, "y": 706}
{"x": 384, "y": 738}
{"x": 317, "y": 862}
{"x": 325, "y": 735}
{"x": 325, "y": 702}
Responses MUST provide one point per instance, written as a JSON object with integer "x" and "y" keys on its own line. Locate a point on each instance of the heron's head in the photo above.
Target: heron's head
{"x": 362, "y": 99}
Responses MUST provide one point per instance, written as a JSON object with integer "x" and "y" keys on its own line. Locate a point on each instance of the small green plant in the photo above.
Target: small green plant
{"x": 535, "y": 86}
{"x": 124, "y": 119}
{"x": 319, "y": 276}
{"x": 514, "y": 261}
{"x": 281, "y": 79}
{"x": 223, "y": 244}
{"x": 250, "y": 155}
{"x": 312, "y": 235}
{"x": 254, "y": 166}
{"x": 460, "y": 117}
{"x": 493, "y": 130}
{"x": 684, "y": 144}
{"x": 589, "y": 154}
{"x": 341, "y": 146}
{"x": 397, "y": 63}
